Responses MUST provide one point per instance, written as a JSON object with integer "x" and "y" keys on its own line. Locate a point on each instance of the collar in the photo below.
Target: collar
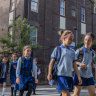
{"x": 62, "y": 46}
{"x": 14, "y": 61}
{"x": 3, "y": 63}
{"x": 27, "y": 57}
{"x": 85, "y": 49}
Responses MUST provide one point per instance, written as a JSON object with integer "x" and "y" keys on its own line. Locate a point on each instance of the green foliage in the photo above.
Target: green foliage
{"x": 94, "y": 45}
{"x": 79, "y": 45}
{"x": 19, "y": 38}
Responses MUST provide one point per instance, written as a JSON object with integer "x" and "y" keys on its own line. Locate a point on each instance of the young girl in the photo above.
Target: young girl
{"x": 65, "y": 64}
{"x": 85, "y": 67}
{"x": 25, "y": 66}
{"x": 38, "y": 73}
{"x": 3, "y": 73}
{"x": 12, "y": 71}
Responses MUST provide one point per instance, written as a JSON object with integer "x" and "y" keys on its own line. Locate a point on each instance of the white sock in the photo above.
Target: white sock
{"x": 3, "y": 91}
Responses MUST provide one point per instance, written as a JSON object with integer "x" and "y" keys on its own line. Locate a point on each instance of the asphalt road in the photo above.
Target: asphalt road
{"x": 45, "y": 90}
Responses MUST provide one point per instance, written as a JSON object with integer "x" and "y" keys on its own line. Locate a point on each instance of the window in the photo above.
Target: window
{"x": 34, "y": 5}
{"x": 94, "y": 9}
{"x": 12, "y": 5}
{"x": 62, "y": 7}
{"x": 83, "y": 28}
{"x": 10, "y": 18}
{"x": 82, "y": 14}
{"x": 11, "y": 33}
{"x": 62, "y": 22}
{"x": 33, "y": 35}
{"x": 73, "y": 13}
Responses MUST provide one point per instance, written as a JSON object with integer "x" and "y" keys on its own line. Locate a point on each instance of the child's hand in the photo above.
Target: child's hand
{"x": 17, "y": 80}
{"x": 36, "y": 80}
{"x": 80, "y": 80}
{"x": 83, "y": 66}
{"x": 93, "y": 66}
{"x": 49, "y": 77}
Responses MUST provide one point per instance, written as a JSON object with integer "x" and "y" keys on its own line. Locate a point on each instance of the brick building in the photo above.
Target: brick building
{"x": 48, "y": 17}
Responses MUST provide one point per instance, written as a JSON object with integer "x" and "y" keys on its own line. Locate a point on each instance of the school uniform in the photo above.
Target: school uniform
{"x": 64, "y": 68}
{"x": 86, "y": 74}
{"x": 24, "y": 72}
{"x": 3, "y": 72}
{"x": 13, "y": 71}
{"x": 35, "y": 84}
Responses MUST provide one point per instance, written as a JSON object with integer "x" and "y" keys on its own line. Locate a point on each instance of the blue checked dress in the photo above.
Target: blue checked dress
{"x": 13, "y": 72}
{"x": 25, "y": 76}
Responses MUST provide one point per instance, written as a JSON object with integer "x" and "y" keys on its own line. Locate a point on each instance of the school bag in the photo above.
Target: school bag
{"x": 80, "y": 58}
{"x": 54, "y": 70}
{"x": 81, "y": 54}
{"x": 2, "y": 68}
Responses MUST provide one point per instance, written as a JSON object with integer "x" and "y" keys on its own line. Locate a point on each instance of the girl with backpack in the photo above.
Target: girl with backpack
{"x": 65, "y": 64}
{"x": 84, "y": 57}
{"x": 25, "y": 68}
{"x": 12, "y": 71}
{"x": 4, "y": 66}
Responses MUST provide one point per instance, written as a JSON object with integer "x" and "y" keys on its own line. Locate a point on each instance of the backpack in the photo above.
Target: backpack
{"x": 81, "y": 54}
{"x": 1, "y": 69}
{"x": 54, "y": 70}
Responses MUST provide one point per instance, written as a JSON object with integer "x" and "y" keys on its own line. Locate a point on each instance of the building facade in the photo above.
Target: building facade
{"x": 48, "y": 17}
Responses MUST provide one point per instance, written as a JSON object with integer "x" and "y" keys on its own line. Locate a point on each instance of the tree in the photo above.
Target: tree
{"x": 79, "y": 45}
{"x": 18, "y": 38}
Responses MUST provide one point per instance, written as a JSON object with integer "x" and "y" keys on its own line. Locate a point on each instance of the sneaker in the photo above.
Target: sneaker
{"x": 34, "y": 93}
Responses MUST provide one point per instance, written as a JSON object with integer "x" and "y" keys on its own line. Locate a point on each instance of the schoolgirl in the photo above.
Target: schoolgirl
{"x": 65, "y": 64}
{"x": 25, "y": 68}
{"x": 3, "y": 74}
{"x": 85, "y": 57}
{"x": 12, "y": 71}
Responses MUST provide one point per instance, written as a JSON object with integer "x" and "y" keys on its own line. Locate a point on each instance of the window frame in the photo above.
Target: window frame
{"x": 74, "y": 11}
{"x": 34, "y": 36}
{"x": 36, "y": 7}
{"x": 62, "y": 8}
{"x": 12, "y": 5}
{"x": 83, "y": 14}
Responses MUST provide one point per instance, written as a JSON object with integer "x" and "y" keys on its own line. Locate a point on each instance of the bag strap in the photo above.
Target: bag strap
{"x": 58, "y": 55}
{"x": 93, "y": 53}
{"x": 22, "y": 60}
{"x": 80, "y": 56}
{"x": 31, "y": 60}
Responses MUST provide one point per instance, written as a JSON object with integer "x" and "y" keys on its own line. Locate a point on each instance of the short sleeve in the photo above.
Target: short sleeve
{"x": 54, "y": 53}
{"x": 34, "y": 70}
{"x": 18, "y": 67}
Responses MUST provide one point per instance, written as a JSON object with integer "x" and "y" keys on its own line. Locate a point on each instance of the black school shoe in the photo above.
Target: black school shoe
{"x": 34, "y": 93}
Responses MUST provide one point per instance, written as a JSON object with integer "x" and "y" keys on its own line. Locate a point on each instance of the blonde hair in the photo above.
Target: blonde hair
{"x": 64, "y": 33}
{"x": 24, "y": 48}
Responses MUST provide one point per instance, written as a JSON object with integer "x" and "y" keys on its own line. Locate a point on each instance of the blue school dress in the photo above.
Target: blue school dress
{"x": 13, "y": 72}
{"x": 3, "y": 72}
{"x": 24, "y": 72}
